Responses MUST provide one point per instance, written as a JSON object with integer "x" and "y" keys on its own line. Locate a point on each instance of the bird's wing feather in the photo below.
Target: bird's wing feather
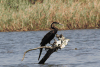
{"x": 46, "y": 37}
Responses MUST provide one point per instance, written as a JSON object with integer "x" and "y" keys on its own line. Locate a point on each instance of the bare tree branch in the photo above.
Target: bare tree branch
{"x": 61, "y": 43}
{"x": 47, "y": 47}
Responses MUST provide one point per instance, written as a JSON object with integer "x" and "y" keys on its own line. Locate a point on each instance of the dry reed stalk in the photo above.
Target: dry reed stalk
{"x": 72, "y": 13}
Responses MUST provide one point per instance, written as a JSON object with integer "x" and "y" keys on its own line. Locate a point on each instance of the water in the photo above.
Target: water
{"x": 14, "y": 44}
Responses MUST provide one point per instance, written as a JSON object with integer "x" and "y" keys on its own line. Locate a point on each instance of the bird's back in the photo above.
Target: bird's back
{"x": 47, "y": 38}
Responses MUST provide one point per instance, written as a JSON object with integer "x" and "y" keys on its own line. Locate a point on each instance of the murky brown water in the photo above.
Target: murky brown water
{"x": 14, "y": 44}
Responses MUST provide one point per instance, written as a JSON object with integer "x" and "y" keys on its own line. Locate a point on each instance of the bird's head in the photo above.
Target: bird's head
{"x": 52, "y": 25}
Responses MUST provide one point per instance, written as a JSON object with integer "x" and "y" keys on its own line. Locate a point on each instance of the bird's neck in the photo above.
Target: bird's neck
{"x": 53, "y": 27}
{"x": 55, "y": 30}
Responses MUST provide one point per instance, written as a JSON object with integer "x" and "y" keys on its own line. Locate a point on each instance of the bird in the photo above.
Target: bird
{"x": 49, "y": 36}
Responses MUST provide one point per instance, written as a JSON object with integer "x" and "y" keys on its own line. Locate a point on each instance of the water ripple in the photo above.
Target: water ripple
{"x": 82, "y": 49}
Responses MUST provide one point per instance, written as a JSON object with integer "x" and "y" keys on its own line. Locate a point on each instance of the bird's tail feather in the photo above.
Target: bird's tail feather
{"x": 40, "y": 53}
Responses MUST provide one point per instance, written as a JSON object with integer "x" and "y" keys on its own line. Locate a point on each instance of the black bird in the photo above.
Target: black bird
{"x": 49, "y": 36}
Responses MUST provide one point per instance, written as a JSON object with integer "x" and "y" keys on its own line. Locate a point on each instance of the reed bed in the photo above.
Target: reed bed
{"x": 22, "y": 15}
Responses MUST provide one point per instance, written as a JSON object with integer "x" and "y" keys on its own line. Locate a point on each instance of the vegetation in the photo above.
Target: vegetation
{"x": 27, "y": 15}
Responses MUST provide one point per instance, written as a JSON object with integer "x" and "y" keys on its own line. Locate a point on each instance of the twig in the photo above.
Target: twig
{"x": 47, "y": 47}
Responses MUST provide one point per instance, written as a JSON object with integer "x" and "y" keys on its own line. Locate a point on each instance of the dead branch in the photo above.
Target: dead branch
{"x": 61, "y": 43}
{"x": 47, "y": 47}
{"x": 47, "y": 55}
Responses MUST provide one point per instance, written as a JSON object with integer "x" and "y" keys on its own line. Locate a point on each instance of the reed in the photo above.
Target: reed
{"x": 22, "y": 15}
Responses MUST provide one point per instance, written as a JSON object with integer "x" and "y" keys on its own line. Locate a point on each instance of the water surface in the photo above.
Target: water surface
{"x": 14, "y": 44}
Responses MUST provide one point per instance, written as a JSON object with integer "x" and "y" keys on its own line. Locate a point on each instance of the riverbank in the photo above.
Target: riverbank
{"x": 19, "y": 15}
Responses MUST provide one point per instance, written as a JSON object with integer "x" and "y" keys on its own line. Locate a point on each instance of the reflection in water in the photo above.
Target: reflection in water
{"x": 82, "y": 49}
